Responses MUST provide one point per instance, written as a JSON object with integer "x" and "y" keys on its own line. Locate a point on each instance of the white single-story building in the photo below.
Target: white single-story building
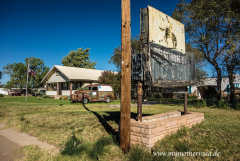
{"x": 4, "y": 91}
{"x": 211, "y": 84}
{"x": 64, "y": 80}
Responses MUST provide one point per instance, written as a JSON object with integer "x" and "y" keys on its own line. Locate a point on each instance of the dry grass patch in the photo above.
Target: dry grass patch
{"x": 56, "y": 121}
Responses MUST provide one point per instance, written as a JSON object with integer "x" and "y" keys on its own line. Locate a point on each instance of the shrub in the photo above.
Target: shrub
{"x": 46, "y": 96}
{"x": 21, "y": 118}
{"x": 60, "y": 98}
{"x": 237, "y": 106}
{"x": 98, "y": 147}
{"x": 150, "y": 96}
{"x": 214, "y": 101}
{"x": 177, "y": 95}
{"x": 139, "y": 153}
{"x": 199, "y": 103}
{"x": 204, "y": 103}
{"x": 157, "y": 95}
{"x": 72, "y": 146}
{"x": 1, "y": 95}
{"x": 75, "y": 146}
{"x": 192, "y": 97}
{"x": 80, "y": 89}
{"x": 223, "y": 104}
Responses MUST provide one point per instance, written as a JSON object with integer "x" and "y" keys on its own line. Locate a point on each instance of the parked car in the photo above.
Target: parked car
{"x": 92, "y": 93}
{"x": 15, "y": 93}
{"x": 39, "y": 93}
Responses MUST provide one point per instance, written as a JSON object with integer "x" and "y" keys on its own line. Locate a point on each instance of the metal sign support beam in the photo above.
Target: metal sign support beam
{"x": 139, "y": 101}
{"x": 185, "y": 102}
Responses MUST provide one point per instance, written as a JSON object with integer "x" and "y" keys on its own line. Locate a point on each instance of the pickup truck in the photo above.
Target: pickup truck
{"x": 92, "y": 93}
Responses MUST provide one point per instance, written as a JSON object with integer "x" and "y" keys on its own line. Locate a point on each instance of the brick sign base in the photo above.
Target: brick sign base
{"x": 155, "y": 127}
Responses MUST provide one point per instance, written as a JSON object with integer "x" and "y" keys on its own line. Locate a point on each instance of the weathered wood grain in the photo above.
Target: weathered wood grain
{"x": 125, "y": 76}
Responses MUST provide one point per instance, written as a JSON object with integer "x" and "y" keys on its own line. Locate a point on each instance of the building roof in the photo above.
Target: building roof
{"x": 74, "y": 73}
{"x": 212, "y": 81}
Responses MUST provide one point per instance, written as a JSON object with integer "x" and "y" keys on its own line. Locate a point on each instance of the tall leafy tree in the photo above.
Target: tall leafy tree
{"x": 231, "y": 65}
{"x": 38, "y": 66}
{"x": 18, "y": 73}
{"x": 79, "y": 58}
{"x": 200, "y": 63}
{"x": 117, "y": 53}
{"x": 113, "y": 79}
{"x": 211, "y": 27}
{"x": 1, "y": 74}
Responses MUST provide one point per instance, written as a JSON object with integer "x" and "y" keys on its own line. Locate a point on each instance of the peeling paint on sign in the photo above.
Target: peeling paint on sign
{"x": 166, "y": 31}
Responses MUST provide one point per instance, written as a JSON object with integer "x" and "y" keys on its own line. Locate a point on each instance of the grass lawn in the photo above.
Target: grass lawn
{"x": 90, "y": 132}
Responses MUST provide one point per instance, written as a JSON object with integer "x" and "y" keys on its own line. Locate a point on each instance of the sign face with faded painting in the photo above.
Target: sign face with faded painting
{"x": 165, "y": 31}
{"x": 165, "y": 62}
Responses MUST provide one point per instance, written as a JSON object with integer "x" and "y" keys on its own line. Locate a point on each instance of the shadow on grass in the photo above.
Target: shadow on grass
{"x": 75, "y": 146}
{"x": 113, "y": 116}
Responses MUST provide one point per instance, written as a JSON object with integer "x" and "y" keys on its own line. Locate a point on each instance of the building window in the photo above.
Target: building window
{"x": 77, "y": 85}
{"x": 64, "y": 86}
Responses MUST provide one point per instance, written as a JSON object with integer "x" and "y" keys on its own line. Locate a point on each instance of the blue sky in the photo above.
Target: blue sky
{"x": 49, "y": 29}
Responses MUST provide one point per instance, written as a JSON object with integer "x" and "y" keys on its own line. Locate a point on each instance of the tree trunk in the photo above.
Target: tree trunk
{"x": 232, "y": 87}
{"x": 219, "y": 83}
{"x": 117, "y": 95}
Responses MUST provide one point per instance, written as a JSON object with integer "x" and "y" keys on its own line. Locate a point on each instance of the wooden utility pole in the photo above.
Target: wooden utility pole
{"x": 139, "y": 101}
{"x": 125, "y": 114}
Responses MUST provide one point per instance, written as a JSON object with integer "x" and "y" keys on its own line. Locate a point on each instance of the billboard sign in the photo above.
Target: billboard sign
{"x": 165, "y": 63}
{"x": 165, "y": 31}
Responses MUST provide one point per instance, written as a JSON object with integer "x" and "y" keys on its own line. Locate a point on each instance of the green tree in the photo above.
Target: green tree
{"x": 79, "y": 58}
{"x": 18, "y": 73}
{"x": 117, "y": 53}
{"x": 210, "y": 26}
{"x": 38, "y": 66}
{"x": 1, "y": 74}
{"x": 200, "y": 63}
{"x": 113, "y": 79}
{"x": 231, "y": 65}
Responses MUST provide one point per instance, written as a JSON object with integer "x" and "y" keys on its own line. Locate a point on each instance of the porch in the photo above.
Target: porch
{"x": 63, "y": 88}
